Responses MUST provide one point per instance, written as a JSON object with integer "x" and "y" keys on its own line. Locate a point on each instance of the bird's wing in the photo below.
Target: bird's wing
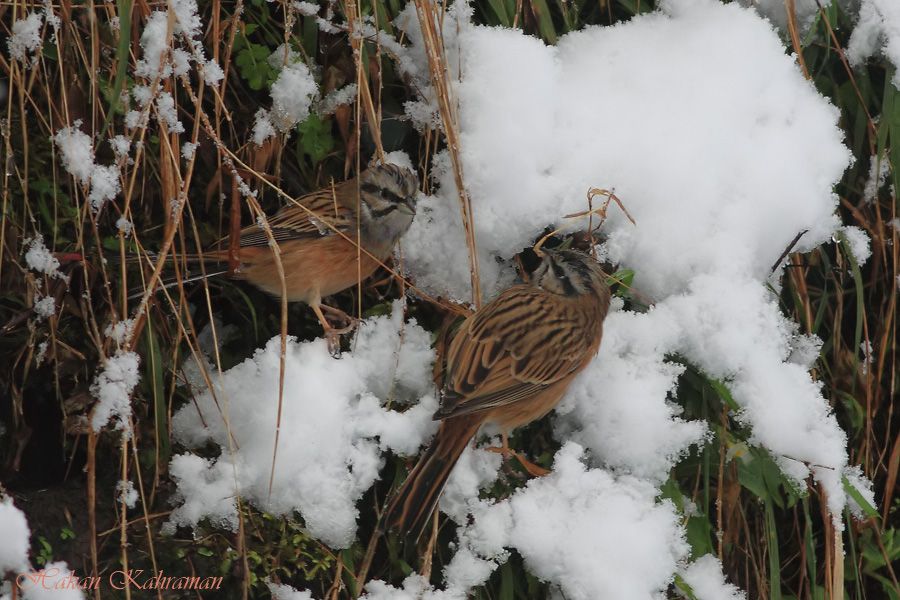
{"x": 523, "y": 341}
{"x": 319, "y": 214}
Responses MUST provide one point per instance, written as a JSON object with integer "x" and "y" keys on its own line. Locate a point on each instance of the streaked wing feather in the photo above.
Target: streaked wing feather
{"x": 516, "y": 346}
{"x": 293, "y": 222}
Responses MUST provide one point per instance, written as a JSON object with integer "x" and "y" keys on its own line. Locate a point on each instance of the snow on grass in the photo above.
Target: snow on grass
{"x": 719, "y": 183}
{"x": 722, "y": 158}
{"x": 187, "y": 150}
{"x": 858, "y": 240}
{"x": 126, "y": 494}
{"x": 45, "y": 307}
{"x": 15, "y": 534}
{"x": 112, "y": 387}
{"x": 720, "y": 177}
{"x": 40, "y": 259}
{"x": 167, "y": 53}
{"x": 588, "y": 532}
{"x": 55, "y": 582}
{"x": 569, "y": 523}
{"x": 77, "y": 154}
{"x": 877, "y": 30}
{"x": 293, "y": 93}
{"x": 707, "y": 582}
{"x": 337, "y": 98}
{"x": 334, "y": 427}
{"x": 25, "y": 40}
{"x": 281, "y": 591}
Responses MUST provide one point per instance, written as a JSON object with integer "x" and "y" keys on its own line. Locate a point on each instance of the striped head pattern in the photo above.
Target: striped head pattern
{"x": 570, "y": 273}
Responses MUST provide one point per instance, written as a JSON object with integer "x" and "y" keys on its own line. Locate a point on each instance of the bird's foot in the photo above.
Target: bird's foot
{"x": 533, "y": 469}
{"x": 333, "y": 339}
{"x": 345, "y": 322}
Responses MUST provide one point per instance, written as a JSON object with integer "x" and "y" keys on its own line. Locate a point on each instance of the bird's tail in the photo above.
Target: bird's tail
{"x": 212, "y": 264}
{"x": 414, "y": 503}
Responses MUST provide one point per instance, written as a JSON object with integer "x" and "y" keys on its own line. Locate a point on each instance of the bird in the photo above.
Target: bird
{"x": 317, "y": 239}
{"x": 509, "y": 364}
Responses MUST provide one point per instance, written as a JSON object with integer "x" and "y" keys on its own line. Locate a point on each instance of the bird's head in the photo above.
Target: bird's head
{"x": 570, "y": 273}
{"x": 388, "y": 200}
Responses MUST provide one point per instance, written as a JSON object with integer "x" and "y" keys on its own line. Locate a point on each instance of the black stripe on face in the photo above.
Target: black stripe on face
{"x": 391, "y": 196}
{"x": 560, "y": 273}
{"x": 380, "y": 212}
{"x": 370, "y": 188}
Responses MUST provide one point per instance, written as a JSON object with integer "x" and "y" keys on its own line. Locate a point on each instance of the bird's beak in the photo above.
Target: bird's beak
{"x": 407, "y": 209}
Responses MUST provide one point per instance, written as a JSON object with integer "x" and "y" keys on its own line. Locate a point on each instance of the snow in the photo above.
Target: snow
{"x": 40, "y": 259}
{"x": 858, "y": 240}
{"x": 415, "y": 587}
{"x": 155, "y": 44}
{"x": 126, "y": 493}
{"x": 187, "y": 21}
{"x": 15, "y": 533}
{"x": 707, "y": 582}
{"x": 26, "y": 37}
{"x": 864, "y": 486}
{"x": 293, "y": 93}
{"x": 877, "y": 30}
{"x": 56, "y": 582}
{"x": 212, "y": 72}
{"x": 768, "y": 150}
{"x": 335, "y": 426}
{"x": 104, "y": 185}
{"x": 112, "y": 388}
{"x": 121, "y": 145}
{"x": 45, "y": 307}
{"x": 337, "y": 98}
{"x": 307, "y": 9}
{"x": 805, "y": 350}
{"x": 775, "y": 10}
{"x": 124, "y": 225}
{"x": 740, "y": 156}
{"x": 280, "y": 591}
{"x": 167, "y": 113}
{"x": 187, "y": 150}
{"x": 262, "y": 127}
{"x": 879, "y": 167}
{"x": 205, "y": 489}
{"x": 120, "y": 331}
{"x": 77, "y": 154}
{"x": 567, "y": 524}
{"x": 590, "y": 533}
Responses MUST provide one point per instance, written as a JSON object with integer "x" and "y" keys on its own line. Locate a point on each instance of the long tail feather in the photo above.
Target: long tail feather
{"x": 415, "y": 501}
{"x": 170, "y": 283}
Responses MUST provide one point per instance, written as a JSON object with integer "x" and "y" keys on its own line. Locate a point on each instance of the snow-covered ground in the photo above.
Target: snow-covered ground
{"x": 723, "y": 153}
{"x": 705, "y": 128}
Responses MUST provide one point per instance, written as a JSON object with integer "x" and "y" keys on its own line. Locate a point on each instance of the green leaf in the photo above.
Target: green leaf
{"x": 699, "y": 535}
{"x": 545, "y": 23}
{"x": 854, "y": 493}
{"x": 684, "y": 588}
{"x": 253, "y": 64}
{"x": 315, "y": 138}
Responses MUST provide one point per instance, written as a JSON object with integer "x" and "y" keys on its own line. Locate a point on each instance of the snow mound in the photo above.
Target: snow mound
{"x": 335, "y": 425}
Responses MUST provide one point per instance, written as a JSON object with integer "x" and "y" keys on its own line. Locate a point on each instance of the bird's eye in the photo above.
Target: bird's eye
{"x": 389, "y": 195}
{"x": 370, "y": 188}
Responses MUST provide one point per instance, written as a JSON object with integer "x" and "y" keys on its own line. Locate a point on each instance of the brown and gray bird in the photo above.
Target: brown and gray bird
{"x": 317, "y": 260}
{"x": 509, "y": 364}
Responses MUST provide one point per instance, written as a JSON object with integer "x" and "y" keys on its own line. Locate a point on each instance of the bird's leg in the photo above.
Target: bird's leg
{"x": 505, "y": 451}
{"x": 340, "y": 316}
{"x": 533, "y": 469}
{"x": 332, "y": 335}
